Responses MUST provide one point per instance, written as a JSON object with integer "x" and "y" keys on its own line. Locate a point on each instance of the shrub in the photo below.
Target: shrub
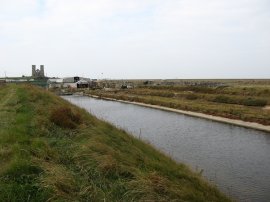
{"x": 225, "y": 99}
{"x": 192, "y": 97}
{"x": 254, "y": 102}
{"x": 65, "y": 118}
{"x": 245, "y": 101}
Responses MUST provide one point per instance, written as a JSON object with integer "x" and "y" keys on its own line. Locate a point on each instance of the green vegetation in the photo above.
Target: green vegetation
{"x": 51, "y": 150}
{"x": 240, "y": 101}
{"x": 235, "y": 101}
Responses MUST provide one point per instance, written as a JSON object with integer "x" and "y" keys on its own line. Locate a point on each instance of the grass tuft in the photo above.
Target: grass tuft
{"x": 65, "y": 118}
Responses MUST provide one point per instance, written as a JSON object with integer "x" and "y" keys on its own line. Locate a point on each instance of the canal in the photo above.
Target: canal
{"x": 235, "y": 159}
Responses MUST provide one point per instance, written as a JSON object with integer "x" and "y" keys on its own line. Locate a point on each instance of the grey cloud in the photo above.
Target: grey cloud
{"x": 138, "y": 39}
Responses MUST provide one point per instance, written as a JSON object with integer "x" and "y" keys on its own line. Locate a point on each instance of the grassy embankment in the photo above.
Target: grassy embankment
{"x": 51, "y": 150}
{"x": 245, "y": 103}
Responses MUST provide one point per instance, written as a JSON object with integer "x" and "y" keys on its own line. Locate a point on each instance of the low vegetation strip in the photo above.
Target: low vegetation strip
{"x": 51, "y": 150}
{"x": 235, "y": 102}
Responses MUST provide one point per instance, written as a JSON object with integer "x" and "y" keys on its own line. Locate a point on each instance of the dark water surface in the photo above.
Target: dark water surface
{"x": 236, "y": 159}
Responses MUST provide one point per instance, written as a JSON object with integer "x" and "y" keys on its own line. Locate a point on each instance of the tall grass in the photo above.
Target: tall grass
{"x": 43, "y": 160}
{"x": 241, "y": 101}
{"x": 64, "y": 117}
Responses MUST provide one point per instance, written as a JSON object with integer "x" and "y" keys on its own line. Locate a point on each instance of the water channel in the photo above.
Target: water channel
{"x": 236, "y": 159}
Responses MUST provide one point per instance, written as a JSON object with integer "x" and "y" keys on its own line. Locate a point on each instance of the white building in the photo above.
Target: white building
{"x": 69, "y": 82}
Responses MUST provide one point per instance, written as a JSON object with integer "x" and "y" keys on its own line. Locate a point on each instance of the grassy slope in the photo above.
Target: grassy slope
{"x": 40, "y": 161}
{"x": 200, "y": 99}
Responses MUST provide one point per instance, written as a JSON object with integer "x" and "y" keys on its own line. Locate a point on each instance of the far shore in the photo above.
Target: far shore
{"x": 241, "y": 123}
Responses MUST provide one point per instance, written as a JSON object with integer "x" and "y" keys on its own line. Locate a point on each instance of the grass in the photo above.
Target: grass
{"x": 43, "y": 159}
{"x": 240, "y": 101}
{"x": 65, "y": 117}
{"x": 236, "y": 101}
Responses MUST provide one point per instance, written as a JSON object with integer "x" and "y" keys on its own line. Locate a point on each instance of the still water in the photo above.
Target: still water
{"x": 236, "y": 159}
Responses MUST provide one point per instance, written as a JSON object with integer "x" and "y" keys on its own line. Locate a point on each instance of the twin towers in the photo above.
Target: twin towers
{"x": 38, "y": 73}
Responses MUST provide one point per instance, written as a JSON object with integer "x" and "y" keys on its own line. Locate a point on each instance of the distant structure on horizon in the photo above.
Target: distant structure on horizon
{"x": 38, "y": 73}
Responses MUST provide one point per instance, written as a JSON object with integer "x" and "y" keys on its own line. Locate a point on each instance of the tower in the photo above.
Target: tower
{"x": 42, "y": 74}
{"x": 38, "y": 73}
{"x": 33, "y": 70}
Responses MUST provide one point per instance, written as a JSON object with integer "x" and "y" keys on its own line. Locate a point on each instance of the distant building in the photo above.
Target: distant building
{"x": 70, "y": 82}
{"x": 82, "y": 84}
{"x": 71, "y": 79}
{"x": 55, "y": 83}
{"x": 38, "y": 73}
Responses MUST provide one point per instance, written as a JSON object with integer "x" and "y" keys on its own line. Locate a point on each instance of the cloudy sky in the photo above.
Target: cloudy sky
{"x": 136, "y": 38}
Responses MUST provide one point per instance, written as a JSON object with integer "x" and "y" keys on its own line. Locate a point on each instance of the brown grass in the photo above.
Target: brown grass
{"x": 66, "y": 118}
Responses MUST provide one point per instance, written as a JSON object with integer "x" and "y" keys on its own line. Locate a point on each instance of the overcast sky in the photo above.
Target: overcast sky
{"x": 136, "y": 38}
